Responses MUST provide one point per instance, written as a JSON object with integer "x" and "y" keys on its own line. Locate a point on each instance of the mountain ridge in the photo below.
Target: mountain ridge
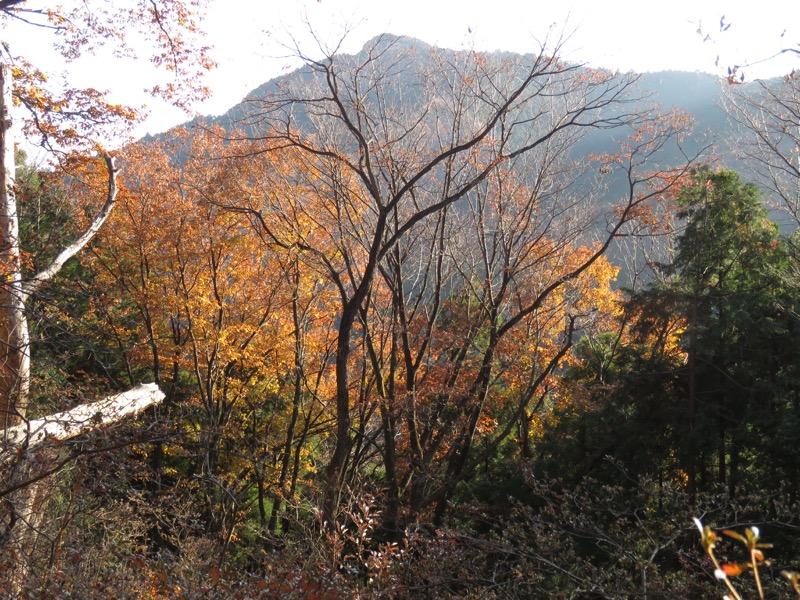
{"x": 699, "y": 94}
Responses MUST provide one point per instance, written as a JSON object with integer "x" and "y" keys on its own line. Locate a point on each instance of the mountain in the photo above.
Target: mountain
{"x": 700, "y": 95}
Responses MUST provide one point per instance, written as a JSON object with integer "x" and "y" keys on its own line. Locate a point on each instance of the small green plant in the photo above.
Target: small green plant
{"x": 751, "y": 540}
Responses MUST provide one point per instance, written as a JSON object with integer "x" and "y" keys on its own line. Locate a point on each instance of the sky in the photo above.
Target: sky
{"x": 251, "y": 42}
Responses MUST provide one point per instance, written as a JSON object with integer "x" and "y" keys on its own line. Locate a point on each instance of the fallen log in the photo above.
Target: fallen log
{"x": 26, "y": 462}
{"x": 79, "y": 420}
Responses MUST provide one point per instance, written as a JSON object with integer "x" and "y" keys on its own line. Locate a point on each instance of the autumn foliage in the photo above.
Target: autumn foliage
{"x": 397, "y": 355}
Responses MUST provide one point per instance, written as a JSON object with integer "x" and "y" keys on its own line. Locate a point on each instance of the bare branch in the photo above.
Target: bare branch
{"x": 29, "y": 287}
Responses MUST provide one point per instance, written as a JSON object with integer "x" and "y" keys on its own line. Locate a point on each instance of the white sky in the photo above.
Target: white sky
{"x": 641, "y": 35}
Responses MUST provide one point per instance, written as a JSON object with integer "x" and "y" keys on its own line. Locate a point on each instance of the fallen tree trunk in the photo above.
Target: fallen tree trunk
{"x": 79, "y": 420}
{"x": 29, "y": 454}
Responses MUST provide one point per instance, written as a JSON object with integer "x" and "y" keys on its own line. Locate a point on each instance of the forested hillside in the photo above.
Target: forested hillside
{"x": 428, "y": 324}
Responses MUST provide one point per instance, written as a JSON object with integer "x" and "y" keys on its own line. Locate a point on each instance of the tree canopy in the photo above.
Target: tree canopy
{"x": 393, "y": 355}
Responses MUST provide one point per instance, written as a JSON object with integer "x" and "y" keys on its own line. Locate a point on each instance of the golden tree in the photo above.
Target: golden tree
{"x": 407, "y": 155}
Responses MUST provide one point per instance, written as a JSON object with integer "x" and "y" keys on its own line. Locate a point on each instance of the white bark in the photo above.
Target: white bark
{"x": 15, "y": 356}
{"x": 25, "y": 472}
{"x": 33, "y": 284}
{"x": 14, "y": 337}
{"x": 80, "y": 420}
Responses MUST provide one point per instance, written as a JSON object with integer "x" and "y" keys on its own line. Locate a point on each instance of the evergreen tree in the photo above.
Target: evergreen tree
{"x": 700, "y": 383}
{"x": 726, "y": 280}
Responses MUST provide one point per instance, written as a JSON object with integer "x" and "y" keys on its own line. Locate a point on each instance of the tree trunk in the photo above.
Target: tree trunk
{"x": 29, "y": 457}
{"x": 79, "y": 420}
{"x": 337, "y": 466}
{"x": 14, "y": 338}
{"x": 15, "y": 359}
{"x": 22, "y": 473}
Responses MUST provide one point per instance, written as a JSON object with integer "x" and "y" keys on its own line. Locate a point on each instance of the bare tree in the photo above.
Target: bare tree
{"x": 768, "y": 112}
{"x": 401, "y": 146}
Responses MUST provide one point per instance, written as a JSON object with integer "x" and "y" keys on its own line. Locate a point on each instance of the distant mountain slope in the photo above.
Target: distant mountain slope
{"x": 699, "y": 94}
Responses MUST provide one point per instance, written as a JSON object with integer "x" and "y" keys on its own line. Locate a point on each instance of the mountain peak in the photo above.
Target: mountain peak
{"x": 387, "y": 40}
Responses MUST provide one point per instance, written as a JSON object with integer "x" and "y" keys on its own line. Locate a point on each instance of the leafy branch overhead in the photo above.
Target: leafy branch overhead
{"x": 73, "y": 116}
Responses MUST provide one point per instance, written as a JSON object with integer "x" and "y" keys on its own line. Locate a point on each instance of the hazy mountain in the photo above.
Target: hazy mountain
{"x": 699, "y": 94}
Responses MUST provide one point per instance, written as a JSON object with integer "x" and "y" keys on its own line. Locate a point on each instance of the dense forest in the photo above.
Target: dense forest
{"x": 421, "y": 323}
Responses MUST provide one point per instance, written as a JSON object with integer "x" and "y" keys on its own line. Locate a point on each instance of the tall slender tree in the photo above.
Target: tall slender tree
{"x": 726, "y": 274}
{"x": 72, "y": 120}
{"x": 389, "y": 148}
{"x": 69, "y": 122}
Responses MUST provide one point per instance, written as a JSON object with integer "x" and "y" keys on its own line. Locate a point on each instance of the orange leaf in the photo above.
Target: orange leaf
{"x": 734, "y": 535}
{"x": 734, "y": 569}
